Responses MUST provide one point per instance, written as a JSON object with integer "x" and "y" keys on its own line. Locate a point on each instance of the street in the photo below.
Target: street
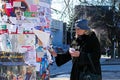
{"x": 109, "y": 72}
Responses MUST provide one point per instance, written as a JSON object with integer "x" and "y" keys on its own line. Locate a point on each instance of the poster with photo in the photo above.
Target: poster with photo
{"x": 16, "y": 47}
{"x": 17, "y": 72}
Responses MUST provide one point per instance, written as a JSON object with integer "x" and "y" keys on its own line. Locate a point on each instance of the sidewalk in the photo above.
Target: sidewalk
{"x": 105, "y": 76}
{"x": 110, "y": 70}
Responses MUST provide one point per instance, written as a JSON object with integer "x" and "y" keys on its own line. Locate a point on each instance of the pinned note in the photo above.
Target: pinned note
{"x": 16, "y": 4}
{"x": 33, "y": 8}
{"x": 8, "y": 5}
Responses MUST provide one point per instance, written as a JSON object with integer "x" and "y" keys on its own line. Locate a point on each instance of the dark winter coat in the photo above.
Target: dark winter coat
{"x": 86, "y": 44}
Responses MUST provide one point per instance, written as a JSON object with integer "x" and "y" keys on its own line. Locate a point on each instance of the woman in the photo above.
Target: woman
{"x": 85, "y": 43}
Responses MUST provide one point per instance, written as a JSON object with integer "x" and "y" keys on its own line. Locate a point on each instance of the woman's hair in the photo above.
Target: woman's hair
{"x": 87, "y": 32}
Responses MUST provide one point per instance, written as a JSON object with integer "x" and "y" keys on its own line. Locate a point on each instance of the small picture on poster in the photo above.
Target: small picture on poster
{"x": 17, "y": 72}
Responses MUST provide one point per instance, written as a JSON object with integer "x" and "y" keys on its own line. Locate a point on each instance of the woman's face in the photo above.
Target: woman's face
{"x": 79, "y": 31}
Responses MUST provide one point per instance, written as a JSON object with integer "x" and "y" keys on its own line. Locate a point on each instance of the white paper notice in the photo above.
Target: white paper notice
{"x": 16, "y": 4}
{"x": 12, "y": 28}
{"x": 44, "y": 4}
{"x": 37, "y": 66}
{"x": 8, "y": 5}
{"x": 13, "y": 20}
{"x": 43, "y": 36}
{"x": 20, "y": 29}
{"x": 28, "y": 26}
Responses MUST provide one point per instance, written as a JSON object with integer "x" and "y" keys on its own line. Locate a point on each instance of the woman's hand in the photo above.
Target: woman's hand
{"x": 75, "y": 53}
{"x": 52, "y": 52}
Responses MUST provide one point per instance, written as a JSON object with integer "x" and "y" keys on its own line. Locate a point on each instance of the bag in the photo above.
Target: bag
{"x": 89, "y": 76}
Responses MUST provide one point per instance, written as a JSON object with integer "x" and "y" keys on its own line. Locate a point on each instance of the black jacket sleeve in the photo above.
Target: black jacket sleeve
{"x": 62, "y": 58}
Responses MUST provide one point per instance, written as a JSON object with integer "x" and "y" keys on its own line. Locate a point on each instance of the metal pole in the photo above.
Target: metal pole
{"x": 114, "y": 38}
{"x": 114, "y": 54}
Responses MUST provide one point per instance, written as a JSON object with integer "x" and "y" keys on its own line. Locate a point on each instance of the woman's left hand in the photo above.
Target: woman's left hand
{"x": 75, "y": 53}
